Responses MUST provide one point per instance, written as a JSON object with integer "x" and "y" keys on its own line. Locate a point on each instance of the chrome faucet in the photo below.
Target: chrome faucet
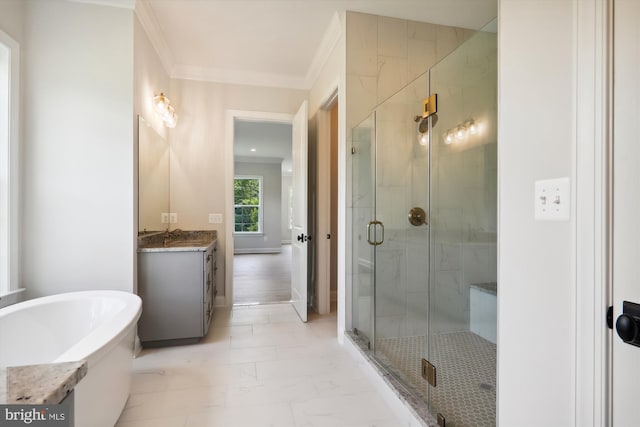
{"x": 168, "y": 235}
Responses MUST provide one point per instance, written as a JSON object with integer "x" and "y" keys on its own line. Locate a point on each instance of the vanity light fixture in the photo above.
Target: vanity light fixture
{"x": 166, "y": 111}
{"x": 423, "y": 139}
{"x": 471, "y": 126}
{"x": 461, "y": 132}
{"x": 448, "y": 139}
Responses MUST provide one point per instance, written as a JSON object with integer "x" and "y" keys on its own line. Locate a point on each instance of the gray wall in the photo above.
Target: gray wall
{"x": 270, "y": 238}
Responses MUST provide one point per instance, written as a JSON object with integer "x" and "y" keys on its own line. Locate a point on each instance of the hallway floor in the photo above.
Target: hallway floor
{"x": 258, "y": 366}
{"x": 262, "y": 278}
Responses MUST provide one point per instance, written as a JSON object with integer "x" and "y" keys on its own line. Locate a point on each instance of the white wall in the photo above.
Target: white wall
{"x": 198, "y": 163}
{"x": 78, "y": 163}
{"x": 536, "y": 351}
{"x": 269, "y": 239}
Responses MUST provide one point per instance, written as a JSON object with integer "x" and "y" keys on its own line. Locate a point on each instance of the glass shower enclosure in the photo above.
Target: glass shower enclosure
{"x": 424, "y": 219}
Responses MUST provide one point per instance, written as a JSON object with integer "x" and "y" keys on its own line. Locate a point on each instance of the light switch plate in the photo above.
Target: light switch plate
{"x": 173, "y": 217}
{"x": 164, "y": 218}
{"x": 553, "y": 199}
{"x": 215, "y": 218}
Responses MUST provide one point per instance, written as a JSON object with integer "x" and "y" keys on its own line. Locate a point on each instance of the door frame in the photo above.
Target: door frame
{"x": 593, "y": 170}
{"x": 231, "y": 117}
{"x": 324, "y": 205}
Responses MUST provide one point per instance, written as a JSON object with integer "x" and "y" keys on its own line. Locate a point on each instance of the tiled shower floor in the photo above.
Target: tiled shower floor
{"x": 466, "y": 374}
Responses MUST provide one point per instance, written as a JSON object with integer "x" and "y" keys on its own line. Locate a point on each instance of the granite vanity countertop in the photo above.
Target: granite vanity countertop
{"x": 180, "y": 241}
{"x": 40, "y": 384}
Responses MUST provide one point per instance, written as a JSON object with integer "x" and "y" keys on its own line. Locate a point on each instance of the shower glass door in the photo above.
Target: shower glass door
{"x": 402, "y": 258}
{"x": 463, "y": 217}
{"x": 363, "y": 212}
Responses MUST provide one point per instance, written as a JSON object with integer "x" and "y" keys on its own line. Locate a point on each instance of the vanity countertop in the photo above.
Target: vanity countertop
{"x": 181, "y": 241}
{"x": 40, "y": 384}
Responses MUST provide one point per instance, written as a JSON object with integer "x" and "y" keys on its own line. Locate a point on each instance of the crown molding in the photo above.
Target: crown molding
{"x": 151, "y": 27}
{"x": 329, "y": 40}
{"x": 149, "y": 22}
{"x": 124, "y": 4}
{"x": 250, "y": 78}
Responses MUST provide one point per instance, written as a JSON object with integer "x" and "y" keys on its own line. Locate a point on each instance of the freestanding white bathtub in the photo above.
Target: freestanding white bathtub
{"x": 96, "y": 326}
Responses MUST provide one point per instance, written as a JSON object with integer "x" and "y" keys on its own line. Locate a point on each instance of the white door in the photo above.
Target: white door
{"x": 626, "y": 206}
{"x": 300, "y": 235}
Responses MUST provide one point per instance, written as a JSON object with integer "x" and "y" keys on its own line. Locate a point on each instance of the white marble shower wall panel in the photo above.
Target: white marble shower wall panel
{"x": 417, "y": 281}
{"x": 479, "y": 262}
{"x": 392, "y": 207}
{"x": 384, "y": 54}
{"x": 449, "y": 305}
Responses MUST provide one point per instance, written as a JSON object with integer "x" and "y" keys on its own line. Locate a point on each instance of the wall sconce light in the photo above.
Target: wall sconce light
{"x": 448, "y": 138}
{"x": 471, "y": 126}
{"x": 423, "y": 128}
{"x": 461, "y": 132}
{"x": 163, "y": 107}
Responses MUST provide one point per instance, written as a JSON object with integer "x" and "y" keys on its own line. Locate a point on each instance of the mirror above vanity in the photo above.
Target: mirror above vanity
{"x": 153, "y": 179}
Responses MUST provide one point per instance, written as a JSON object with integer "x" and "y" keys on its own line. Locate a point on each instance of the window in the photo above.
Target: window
{"x": 9, "y": 214}
{"x": 247, "y": 196}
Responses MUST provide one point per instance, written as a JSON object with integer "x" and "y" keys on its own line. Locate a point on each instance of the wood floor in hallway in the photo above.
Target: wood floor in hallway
{"x": 262, "y": 278}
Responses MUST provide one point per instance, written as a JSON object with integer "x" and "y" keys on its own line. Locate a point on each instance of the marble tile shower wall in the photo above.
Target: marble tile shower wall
{"x": 401, "y": 183}
{"x": 464, "y": 182}
{"x": 383, "y": 55}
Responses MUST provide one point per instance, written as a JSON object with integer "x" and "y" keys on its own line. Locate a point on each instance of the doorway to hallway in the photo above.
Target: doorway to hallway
{"x": 262, "y": 278}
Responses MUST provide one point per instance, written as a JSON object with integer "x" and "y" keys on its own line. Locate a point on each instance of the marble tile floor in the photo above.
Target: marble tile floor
{"x": 258, "y": 366}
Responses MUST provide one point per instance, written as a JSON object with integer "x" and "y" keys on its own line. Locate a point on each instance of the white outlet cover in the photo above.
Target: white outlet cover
{"x": 164, "y": 218}
{"x": 553, "y": 200}
{"x": 173, "y": 217}
{"x": 215, "y": 218}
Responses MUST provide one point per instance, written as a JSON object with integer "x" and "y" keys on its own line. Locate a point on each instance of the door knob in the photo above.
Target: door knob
{"x": 627, "y": 328}
{"x": 301, "y": 238}
{"x": 628, "y": 323}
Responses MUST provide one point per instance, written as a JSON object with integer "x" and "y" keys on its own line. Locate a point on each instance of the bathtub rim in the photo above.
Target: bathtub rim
{"x": 99, "y": 341}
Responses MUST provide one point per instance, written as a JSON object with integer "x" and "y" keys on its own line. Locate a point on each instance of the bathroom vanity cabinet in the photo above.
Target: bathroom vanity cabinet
{"x": 178, "y": 288}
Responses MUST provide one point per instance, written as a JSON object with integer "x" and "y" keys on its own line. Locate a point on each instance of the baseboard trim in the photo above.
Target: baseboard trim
{"x": 258, "y": 251}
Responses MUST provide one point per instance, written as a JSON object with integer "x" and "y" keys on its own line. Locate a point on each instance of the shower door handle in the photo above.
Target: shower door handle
{"x": 375, "y": 242}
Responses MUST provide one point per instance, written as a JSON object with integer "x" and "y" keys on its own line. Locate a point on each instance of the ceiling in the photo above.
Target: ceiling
{"x": 275, "y": 42}
{"x": 270, "y": 140}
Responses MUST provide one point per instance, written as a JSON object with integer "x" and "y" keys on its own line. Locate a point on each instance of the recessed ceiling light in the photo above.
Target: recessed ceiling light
{"x": 253, "y": 150}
